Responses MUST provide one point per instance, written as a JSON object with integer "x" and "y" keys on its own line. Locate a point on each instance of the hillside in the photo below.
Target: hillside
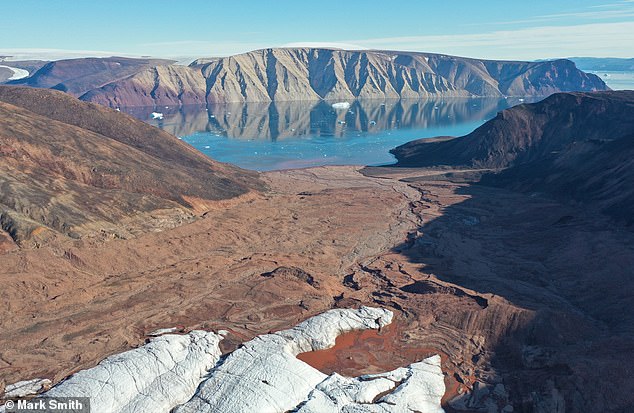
{"x": 573, "y": 146}
{"x": 77, "y": 76}
{"x": 77, "y": 168}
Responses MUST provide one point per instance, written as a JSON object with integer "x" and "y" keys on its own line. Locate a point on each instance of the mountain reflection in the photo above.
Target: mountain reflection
{"x": 280, "y": 120}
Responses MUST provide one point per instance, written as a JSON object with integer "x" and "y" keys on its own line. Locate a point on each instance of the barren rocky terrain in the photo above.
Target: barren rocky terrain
{"x": 525, "y": 296}
{"x": 77, "y": 168}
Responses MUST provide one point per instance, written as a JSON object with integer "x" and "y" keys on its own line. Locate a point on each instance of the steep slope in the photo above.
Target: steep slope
{"x": 160, "y": 85}
{"x": 77, "y": 168}
{"x": 310, "y": 74}
{"x": 77, "y": 76}
{"x": 572, "y": 146}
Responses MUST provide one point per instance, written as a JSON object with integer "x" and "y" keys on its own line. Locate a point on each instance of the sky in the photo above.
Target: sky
{"x": 492, "y": 29}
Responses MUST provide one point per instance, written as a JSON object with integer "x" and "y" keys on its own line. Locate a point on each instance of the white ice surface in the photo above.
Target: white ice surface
{"x": 264, "y": 375}
{"x": 25, "y": 388}
{"x": 17, "y": 72}
{"x": 185, "y": 373}
{"x": 416, "y": 388}
{"x": 341, "y": 105}
{"x": 153, "y": 378}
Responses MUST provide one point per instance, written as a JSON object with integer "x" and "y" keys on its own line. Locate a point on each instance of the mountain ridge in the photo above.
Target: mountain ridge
{"x": 283, "y": 74}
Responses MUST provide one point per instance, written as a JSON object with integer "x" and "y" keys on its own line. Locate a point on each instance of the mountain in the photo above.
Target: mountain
{"x": 283, "y": 74}
{"x": 572, "y": 146}
{"x": 77, "y": 76}
{"x": 76, "y": 168}
{"x": 9, "y": 68}
{"x": 311, "y": 74}
{"x": 161, "y": 85}
{"x": 610, "y": 64}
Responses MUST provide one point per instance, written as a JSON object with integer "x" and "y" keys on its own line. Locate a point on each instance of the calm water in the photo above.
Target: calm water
{"x": 616, "y": 80}
{"x": 283, "y": 135}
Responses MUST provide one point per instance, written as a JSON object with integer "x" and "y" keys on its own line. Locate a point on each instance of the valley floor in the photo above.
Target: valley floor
{"x": 504, "y": 286}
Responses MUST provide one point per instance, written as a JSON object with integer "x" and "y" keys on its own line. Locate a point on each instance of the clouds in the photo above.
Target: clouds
{"x": 605, "y": 29}
{"x": 58, "y": 54}
{"x": 326, "y": 45}
{"x": 595, "y": 39}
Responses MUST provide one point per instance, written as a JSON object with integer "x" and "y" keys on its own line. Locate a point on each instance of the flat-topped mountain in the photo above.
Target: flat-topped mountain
{"x": 77, "y": 76}
{"x": 282, "y": 74}
{"x": 77, "y": 168}
{"x": 571, "y": 145}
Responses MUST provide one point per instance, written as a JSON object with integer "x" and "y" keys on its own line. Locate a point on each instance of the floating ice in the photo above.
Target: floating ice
{"x": 341, "y": 105}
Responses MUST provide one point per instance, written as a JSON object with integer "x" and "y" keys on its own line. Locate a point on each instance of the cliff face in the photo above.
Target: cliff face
{"x": 75, "y": 168}
{"x": 161, "y": 85}
{"x": 577, "y": 146}
{"x": 312, "y": 74}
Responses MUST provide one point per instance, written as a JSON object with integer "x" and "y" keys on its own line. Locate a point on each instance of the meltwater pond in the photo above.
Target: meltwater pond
{"x": 284, "y": 135}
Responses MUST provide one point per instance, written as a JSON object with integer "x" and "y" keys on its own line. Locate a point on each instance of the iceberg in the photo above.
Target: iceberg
{"x": 340, "y": 105}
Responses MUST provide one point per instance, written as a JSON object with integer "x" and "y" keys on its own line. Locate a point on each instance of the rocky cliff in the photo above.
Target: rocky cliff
{"x": 283, "y": 74}
{"x": 75, "y": 168}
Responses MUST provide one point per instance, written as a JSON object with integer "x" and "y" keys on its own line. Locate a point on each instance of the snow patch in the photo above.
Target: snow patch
{"x": 156, "y": 115}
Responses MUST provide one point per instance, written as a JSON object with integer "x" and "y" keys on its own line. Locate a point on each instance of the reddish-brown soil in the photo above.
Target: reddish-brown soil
{"x": 371, "y": 351}
{"x": 497, "y": 282}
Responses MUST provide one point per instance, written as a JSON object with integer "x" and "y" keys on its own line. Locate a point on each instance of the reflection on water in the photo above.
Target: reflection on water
{"x": 282, "y": 135}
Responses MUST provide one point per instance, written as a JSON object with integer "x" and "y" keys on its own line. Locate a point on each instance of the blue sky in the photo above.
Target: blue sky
{"x": 487, "y": 29}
